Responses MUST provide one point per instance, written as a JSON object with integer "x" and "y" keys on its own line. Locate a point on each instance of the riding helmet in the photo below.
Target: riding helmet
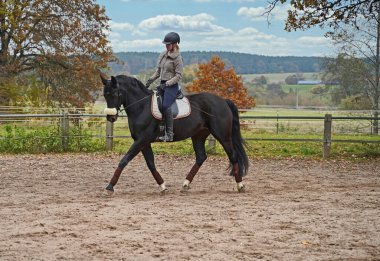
{"x": 171, "y": 38}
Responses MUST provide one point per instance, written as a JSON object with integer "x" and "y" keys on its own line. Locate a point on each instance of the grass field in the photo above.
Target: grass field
{"x": 39, "y": 136}
{"x": 279, "y": 77}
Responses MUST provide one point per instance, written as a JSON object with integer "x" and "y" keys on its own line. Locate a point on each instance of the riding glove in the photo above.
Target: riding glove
{"x": 148, "y": 83}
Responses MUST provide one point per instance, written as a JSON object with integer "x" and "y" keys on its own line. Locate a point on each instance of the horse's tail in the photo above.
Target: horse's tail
{"x": 238, "y": 141}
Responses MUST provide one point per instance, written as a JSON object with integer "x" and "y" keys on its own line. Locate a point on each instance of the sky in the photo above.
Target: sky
{"x": 209, "y": 25}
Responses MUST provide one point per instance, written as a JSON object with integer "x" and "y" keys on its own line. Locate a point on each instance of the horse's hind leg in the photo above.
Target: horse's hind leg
{"x": 200, "y": 155}
{"x": 149, "y": 159}
{"x": 228, "y": 147}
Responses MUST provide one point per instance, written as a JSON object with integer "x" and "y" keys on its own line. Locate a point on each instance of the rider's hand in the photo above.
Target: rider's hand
{"x": 148, "y": 83}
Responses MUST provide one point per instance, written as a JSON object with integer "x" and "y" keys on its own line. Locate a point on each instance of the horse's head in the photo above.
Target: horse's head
{"x": 113, "y": 96}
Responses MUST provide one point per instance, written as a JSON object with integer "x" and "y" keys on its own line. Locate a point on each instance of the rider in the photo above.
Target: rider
{"x": 169, "y": 70}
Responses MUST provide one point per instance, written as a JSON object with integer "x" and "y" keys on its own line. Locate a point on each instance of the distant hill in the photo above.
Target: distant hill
{"x": 138, "y": 62}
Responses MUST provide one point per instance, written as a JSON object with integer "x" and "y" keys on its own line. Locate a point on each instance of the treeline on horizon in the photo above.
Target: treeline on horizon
{"x": 243, "y": 63}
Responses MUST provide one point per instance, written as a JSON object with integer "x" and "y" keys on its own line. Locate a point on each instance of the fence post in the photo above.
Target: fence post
{"x": 376, "y": 123}
{"x": 277, "y": 124}
{"x": 65, "y": 130}
{"x": 327, "y": 136}
{"x": 211, "y": 144}
{"x": 109, "y": 136}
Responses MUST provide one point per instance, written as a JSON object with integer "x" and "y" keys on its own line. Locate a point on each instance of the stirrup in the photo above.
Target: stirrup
{"x": 166, "y": 137}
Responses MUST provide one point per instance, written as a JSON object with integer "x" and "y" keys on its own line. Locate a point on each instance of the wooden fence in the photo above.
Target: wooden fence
{"x": 326, "y": 138}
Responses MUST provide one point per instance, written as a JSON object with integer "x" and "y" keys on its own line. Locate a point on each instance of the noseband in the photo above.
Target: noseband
{"x": 116, "y": 109}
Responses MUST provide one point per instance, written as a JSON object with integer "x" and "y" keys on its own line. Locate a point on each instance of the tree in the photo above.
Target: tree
{"x": 305, "y": 14}
{"x": 214, "y": 78}
{"x": 62, "y": 42}
{"x": 350, "y": 73}
{"x": 363, "y": 41}
{"x": 291, "y": 79}
{"x": 260, "y": 80}
{"x": 275, "y": 89}
{"x": 354, "y": 25}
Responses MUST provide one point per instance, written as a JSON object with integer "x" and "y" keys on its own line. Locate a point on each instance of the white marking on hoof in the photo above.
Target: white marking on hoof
{"x": 163, "y": 188}
{"x": 240, "y": 187}
{"x": 108, "y": 193}
{"x": 185, "y": 186}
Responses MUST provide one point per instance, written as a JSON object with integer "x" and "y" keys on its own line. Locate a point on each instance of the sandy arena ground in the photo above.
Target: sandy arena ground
{"x": 53, "y": 207}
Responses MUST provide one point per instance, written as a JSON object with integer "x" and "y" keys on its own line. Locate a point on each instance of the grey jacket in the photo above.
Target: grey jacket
{"x": 169, "y": 68}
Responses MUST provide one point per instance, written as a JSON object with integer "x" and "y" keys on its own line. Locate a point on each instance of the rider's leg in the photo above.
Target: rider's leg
{"x": 169, "y": 98}
{"x": 169, "y": 126}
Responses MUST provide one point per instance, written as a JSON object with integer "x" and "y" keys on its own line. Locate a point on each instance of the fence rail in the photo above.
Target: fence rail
{"x": 65, "y": 118}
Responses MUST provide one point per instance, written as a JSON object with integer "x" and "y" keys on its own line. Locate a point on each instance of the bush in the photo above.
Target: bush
{"x": 356, "y": 103}
{"x": 46, "y": 139}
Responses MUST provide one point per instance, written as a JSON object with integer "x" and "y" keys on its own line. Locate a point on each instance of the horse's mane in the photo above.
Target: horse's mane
{"x": 131, "y": 81}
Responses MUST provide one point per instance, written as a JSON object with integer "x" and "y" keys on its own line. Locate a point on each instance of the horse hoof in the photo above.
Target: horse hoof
{"x": 109, "y": 189}
{"x": 185, "y": 188}
{"x": 241, "y": 189}
{"x": 164, "y": 191}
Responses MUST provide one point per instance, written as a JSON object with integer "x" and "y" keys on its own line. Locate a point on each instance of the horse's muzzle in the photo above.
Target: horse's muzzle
{"x": 111, "y": 118}
{"x": 111, "y": 114}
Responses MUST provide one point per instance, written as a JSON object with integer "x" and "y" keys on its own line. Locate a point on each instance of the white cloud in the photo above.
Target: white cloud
{"x": 114, "y": 35}
{"x": 258, "y": 13}
{"x": 249, "y": 40}
{"x": 252, "y": 13}
{"x": 136, "y": 45}
{"x": 121, "y": 26}
{"x": 202, "y": 23}
{"x": 245, "y": 40}
{"x": 126, "y": 27}
{"x": 201, "y": 33}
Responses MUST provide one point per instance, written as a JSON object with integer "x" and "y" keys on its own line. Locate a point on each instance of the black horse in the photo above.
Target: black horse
{"x": 210, "y": 114}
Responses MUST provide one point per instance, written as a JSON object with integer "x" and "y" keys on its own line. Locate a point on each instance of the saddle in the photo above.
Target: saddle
{"x": 180, "y": 108}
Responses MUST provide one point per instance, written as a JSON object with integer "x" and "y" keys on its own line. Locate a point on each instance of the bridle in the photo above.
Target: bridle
{"x": 119, "y": 101}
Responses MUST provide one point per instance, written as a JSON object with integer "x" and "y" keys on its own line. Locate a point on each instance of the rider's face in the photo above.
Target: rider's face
{"x": 169, "y": 47}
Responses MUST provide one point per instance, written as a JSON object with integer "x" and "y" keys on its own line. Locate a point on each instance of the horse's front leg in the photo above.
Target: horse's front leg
{"x": 132, "y": 152}
{"x": 200, "y": 155}
{"x": 149, "y": 159}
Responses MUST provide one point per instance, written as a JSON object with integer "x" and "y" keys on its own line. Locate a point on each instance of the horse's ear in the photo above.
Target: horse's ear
{"x": 104, "y": 80}
{"x": 113, "y": 81}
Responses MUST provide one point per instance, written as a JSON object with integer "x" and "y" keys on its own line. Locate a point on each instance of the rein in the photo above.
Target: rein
{"x": 136, "y": 102}
{"x": 192, "y": 105}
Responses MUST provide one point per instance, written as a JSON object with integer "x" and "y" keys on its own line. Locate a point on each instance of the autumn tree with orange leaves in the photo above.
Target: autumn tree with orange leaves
{"x": 214, "y": 78}
{"x": 60, "y": 45}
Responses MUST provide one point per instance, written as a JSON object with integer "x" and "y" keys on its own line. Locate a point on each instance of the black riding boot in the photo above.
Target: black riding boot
{"x": 169, "y": 126}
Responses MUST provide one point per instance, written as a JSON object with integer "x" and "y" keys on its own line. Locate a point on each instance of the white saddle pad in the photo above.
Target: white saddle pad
{"x": 183, "y": 106}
